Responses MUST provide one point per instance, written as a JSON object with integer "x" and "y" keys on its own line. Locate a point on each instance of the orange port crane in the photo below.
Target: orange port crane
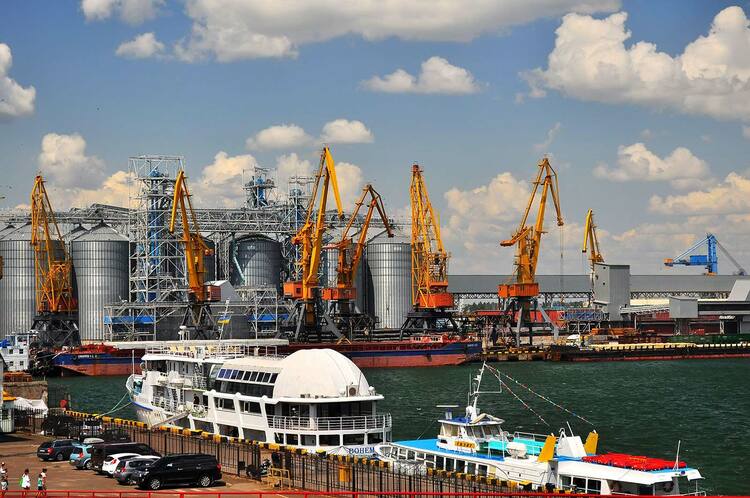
{"x": 590, "y": 238}
{"x": 521, "y": 292}
{"x": 429, "y": 263}
{"x": 310, "y": 239}
{"x": 57, "y": 310}
{"x": 198, "y": 315}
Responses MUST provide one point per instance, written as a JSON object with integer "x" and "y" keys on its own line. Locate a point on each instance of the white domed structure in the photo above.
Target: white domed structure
{"x": 321, "y": 373}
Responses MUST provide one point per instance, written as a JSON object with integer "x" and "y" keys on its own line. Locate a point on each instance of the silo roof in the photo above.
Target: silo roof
{"x": 101, "y": 232}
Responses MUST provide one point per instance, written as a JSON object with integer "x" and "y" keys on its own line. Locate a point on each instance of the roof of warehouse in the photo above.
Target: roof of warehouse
{"x": 471, "y": 284}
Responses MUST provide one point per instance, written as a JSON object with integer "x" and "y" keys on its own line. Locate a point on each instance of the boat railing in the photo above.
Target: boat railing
{"x": 530, "y": 435}
{"x": 214, "y": 351}
{"x": 169, "y": 404}
{"x": 355, "y": 422}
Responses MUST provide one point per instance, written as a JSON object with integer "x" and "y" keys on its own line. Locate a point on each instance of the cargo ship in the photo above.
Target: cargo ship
{"x": 418, "y": 351}
{"x": 98, "y": 359}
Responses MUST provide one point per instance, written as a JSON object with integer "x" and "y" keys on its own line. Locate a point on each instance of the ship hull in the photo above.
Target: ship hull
{"x": 99, "y": 364}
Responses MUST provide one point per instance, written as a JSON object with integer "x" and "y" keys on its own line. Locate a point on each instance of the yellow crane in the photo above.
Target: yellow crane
{"x": 198, "y": 315}
{"x": 429, "y": 265}
{"x": 590, "y": 238}
{"x": 56, "y": 306}
{"x": 429, "y": 260}
{"x": 349, "y": 253}
{"x": 310, "y": 239}
{"x": 521, "y": 293}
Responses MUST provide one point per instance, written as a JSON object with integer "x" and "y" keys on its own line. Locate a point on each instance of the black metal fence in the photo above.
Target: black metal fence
{"x": 295, "y": 468}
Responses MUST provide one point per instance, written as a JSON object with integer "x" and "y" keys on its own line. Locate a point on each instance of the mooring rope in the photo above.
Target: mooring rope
{"x": 497, "y": 373}
{"x": 117, "y": 407}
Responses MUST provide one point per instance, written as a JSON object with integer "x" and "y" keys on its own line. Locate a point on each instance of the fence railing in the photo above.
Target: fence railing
{"x": 269, "y": 494}
{"x": 357, "y": 422}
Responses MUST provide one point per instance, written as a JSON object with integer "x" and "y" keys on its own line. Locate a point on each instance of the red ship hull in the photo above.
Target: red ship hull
{"x": 99, "y": 360}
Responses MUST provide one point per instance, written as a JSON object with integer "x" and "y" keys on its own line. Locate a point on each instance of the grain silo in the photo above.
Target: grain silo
{"x": 389, "y": 278}
{"x": 255, "y": 262}
{"x": 100, "y": 258}
{"x": 18, "y": 285}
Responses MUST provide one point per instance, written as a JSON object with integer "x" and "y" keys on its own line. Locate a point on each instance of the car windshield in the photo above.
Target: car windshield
{"x": 139, "y": 464}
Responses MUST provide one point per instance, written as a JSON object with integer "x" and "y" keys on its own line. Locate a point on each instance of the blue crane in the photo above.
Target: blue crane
{"x": 710, "y": 260}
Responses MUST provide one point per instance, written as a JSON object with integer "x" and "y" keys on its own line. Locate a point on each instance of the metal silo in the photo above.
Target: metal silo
{"x": 389, "y": 275}
{"x": 18, "y": 285}
{"x": 330, "y": 273}
{"x": 100, "y": 258}
{"x": 255, "y": 262}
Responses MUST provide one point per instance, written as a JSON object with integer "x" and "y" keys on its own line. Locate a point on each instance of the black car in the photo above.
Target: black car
{"x": 200, "y": 469}
{"x": 59, "y": 449}
{"x": 100, "y": 451}
{"x": 115, "y": 436}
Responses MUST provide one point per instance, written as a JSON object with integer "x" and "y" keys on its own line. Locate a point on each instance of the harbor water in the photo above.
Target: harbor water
{"x": 637, "y": 407}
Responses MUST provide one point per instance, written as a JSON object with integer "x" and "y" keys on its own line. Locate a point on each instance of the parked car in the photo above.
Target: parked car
{"x": 171, "y": 470}
{"x": 110, "y": 463}
{"x": 102, "y": 450}
{"x": 80, "y": 458}
{"x": 92, "y": 440}
{"x": 59, "y": 449}
{"x": 115, "y": 436}
{"x": 124, "y": 473}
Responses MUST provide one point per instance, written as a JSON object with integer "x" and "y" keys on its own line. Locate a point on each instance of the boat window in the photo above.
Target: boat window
{"x": 565, "y": 482}
{"x": 330, "y": 440}
{"x": 440, "y": 462}
{"x": 292, "y": 439}
{"x": 482, "y": 470}
{"x": 449, "y": 464}
{"x": 354, "y": 439}
{"x": 308, "y": 440}
{"x": 375, "y": 438}
{"x": 278, "y": 438}
{"x": 236, "y": 374}
{"x": 579, "y": 483}
{"x": 273, "y": 378}
{"x": 594, "y": 486}
{"x": 410, "y": 455}
{"x": 222, "y": 373}
{"x": 471, "y": 468}
{"x": 246, "y": 375}
{"x": 266, "y": 377}
{"x": 460, "y": 466}
{"x": 253, "y": 376}
{"x": 250, "y": 407}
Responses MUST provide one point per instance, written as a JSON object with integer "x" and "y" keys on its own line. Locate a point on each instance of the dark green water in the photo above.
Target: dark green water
{"x": 637, "y": 407}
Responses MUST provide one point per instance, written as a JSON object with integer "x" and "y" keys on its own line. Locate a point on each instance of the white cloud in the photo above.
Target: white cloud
{"x": 15, "y": 100}
{"x": 142, "y": 46}
{"x": 221, "y": 182}
{"x": 637, "y": 163}
{"x": 344, "y": 131}
{"x": 551, "y": 136}
{"x": 746, "y": 132}
{"x": 438, "y": 76}
{"x": 711, "y": 77}
{"x": 731, "y": 196}
{"x": 113, "y": 190}
{"x": 63, "y": 159}
{"x": 130, "y": 11}
{"x": 350, "y": 182}
{"x": 287, "y": 166}
{"x": 281, "y": 136}
{"x": 245, "y": 29}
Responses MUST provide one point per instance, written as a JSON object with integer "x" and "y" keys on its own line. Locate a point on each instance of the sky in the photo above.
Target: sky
{"x": 642, "y": 107}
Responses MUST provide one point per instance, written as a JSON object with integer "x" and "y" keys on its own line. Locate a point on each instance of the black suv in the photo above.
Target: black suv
{"x": 201, "y": 469}
{"x": 100, "y": 451}
{"x": 59, "y": 449}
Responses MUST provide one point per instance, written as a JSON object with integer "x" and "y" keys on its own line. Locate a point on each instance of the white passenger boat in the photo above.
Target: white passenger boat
{"x": 315, "y": 398}
{"x": 477, "y": 443}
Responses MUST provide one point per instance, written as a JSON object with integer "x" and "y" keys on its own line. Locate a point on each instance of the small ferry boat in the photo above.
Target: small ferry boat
{"x": 315, "y": 399}
{"x": 477, "y": 443}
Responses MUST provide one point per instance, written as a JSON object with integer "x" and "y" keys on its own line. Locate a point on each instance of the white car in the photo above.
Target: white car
{"x": 110, "y": 463}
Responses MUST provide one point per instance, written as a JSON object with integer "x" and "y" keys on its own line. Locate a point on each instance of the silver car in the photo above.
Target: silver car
{"x": 126, "y": 470}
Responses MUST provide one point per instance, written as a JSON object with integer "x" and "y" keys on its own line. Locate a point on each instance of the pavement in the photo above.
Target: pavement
{"x": 18, "y": 451}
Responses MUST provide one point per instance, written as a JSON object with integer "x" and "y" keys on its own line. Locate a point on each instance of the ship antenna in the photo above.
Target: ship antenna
{"x": 677, "y": 458}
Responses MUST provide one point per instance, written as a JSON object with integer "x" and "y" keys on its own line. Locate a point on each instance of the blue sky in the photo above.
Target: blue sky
{"x": 464, "y": 137}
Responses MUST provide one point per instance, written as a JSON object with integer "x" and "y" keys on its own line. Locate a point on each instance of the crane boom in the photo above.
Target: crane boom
{"x": 429, "y": 271}
{"x": 52, "y": 264}
{"x": 590, "y": 238}
{"x": 195, "y": 247}
{"x": 348, "y": 259}
{"x": 528, "y": 238}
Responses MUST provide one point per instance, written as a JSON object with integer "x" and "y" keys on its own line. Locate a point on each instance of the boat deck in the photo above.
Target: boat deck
{"x": 431, "y": 446}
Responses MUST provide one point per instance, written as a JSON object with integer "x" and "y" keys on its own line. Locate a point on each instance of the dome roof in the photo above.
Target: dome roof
{"x": 319, "y": 372}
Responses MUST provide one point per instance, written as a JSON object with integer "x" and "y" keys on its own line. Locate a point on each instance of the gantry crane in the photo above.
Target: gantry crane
{"x": 520, "y": 295}
{"x": 590, "y": 238}
{"x": 198, "y": 318}
{"x": 342, "y": 318}
{"x": 56, "y": 320}
{"x": 710, "y": 260}
{"x": 310, "y": 237}
{"x": 429, "y": 265}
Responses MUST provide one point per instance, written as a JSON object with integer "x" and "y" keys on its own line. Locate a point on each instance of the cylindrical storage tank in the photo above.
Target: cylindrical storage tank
{"x": 6, "y": 229}
{"x": 255, "y": 262}
{"x": 100, "y": 258}
{"x": 389, "y": 272}
{"x": 18, "y": 285}
{"x": 329, "y": 277}
{"x": 69, "y": 237}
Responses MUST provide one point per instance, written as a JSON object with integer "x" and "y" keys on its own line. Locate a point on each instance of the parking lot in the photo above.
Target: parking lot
{"x": 18, "y": 451}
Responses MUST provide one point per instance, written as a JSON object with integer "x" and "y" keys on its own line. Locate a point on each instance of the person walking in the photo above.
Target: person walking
{"x": 3, "y": 470}
{"x": 3, "y": 484}
{"x": 25, "y": 480}
{"x": 40, "y": 482}
{"x": 44, "y": 478}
